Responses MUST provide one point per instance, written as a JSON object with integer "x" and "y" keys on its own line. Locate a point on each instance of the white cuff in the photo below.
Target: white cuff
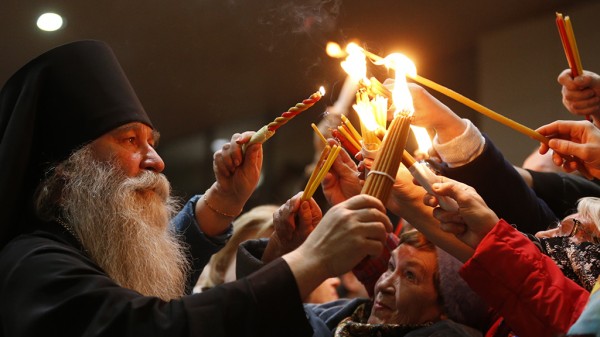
{"x": 462, "y": 149}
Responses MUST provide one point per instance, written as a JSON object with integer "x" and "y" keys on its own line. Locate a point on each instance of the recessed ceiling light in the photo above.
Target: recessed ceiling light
{"x": 49, "y": 22}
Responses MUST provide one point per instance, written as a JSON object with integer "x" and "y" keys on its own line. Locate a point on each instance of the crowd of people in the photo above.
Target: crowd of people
{"x": 93, "y": 243}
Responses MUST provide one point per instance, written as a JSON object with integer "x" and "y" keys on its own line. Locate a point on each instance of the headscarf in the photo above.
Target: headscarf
{"x": 56, "y": 103}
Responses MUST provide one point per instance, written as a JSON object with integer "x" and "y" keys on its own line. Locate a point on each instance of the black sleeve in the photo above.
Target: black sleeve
{"x": 504, "y": 190}
{"x": 561, "y": 190}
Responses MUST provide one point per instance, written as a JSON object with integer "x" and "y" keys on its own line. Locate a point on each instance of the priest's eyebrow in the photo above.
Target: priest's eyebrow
{"x": 137, "y": 127}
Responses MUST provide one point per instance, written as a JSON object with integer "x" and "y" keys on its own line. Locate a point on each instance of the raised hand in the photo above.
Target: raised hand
{"x": 293, "y": 222}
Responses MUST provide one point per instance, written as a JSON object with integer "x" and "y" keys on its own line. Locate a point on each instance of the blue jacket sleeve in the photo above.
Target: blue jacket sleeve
{"x": 201, "y": 247}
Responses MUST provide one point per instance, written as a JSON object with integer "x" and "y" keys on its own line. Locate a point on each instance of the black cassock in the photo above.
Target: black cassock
{"x": 49, "y": 287}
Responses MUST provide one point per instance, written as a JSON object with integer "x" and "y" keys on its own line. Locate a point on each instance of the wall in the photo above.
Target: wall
{"x": 518, "y": 67}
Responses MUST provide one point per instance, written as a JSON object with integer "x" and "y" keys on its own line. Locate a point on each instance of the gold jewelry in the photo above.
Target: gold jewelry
{"x": 219, "y": 211}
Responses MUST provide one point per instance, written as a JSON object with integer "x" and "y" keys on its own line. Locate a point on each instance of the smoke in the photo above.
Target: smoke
{"x": 311, "y": 18}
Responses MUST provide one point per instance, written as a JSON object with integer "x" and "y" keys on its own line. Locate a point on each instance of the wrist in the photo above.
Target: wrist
{"x": 307, "y": 272}
{"x": 273, "y": 249}
{"x": 450, "y": 130}
{"x": 221, "y": 204}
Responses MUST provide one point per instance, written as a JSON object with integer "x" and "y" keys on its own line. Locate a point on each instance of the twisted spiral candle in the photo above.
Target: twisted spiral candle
{"x": 268, "y": 130}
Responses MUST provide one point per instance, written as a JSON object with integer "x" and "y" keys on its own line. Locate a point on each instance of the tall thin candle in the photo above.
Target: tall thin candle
{"x": 268, "y": 130}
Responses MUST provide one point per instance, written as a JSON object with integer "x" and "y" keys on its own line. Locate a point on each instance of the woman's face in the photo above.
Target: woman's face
{"x": 406, "y": 293}
{"x": 580, "y": 229}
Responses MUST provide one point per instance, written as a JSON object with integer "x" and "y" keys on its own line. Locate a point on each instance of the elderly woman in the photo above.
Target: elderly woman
{"x": 418, "y": 294}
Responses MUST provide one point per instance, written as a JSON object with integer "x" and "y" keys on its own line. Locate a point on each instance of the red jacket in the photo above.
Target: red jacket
{"x": 522, "y": 284}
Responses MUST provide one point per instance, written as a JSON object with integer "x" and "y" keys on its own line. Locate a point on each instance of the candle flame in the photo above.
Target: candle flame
{"x": 400, "y": 63}
{"x": 322, "y": 90}
{"x": 355, "y": 63}
{"x": 422, "y": 137}
{"x": 400, "y": 94}
{"x": 365, "y": 113}
{"x": 334, "y": 50}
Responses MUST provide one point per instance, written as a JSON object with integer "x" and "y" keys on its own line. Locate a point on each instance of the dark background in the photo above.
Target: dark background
{"x": 205, "y": 69}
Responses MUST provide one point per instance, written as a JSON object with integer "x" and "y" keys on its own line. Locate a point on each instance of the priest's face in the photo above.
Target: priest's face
{"x": 119, "y": 204}
{"x": 131, "y": 147}
{"x": 406, "y": 292}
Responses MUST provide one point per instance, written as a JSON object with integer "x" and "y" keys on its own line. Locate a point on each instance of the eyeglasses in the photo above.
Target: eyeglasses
{"x": 577, "y": 225}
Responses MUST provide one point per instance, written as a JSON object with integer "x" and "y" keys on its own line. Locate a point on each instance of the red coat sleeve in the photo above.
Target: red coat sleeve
{"x": 525, "y": 286}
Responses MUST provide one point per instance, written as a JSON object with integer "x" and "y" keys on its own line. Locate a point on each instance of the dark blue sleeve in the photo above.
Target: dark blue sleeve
{"x": 504, "y": 190}
{"x": 200, "y": 247}
{"x": 325, "y": 317}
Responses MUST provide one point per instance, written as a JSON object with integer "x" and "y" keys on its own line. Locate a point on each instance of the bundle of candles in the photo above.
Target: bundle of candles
{"x": 348, "y": 136}
{"x": 328, "y": 156}
{"x": 372, "y": 106}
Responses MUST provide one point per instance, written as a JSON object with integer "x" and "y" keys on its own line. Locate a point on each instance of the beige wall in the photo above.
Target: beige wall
{"x": 518, "y": 66}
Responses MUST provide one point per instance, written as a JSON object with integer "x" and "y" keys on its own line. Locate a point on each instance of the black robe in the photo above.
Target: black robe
{"x": 49, "y": 287}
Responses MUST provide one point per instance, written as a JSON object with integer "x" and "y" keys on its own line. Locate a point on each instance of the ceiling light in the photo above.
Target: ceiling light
{"x": 49, "y": 22}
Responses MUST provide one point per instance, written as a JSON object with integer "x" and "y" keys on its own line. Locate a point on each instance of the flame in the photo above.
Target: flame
{"x": 400, "y": 94}
{"x": 355, "y": 63}
{"x": 422, "y": 137}
{"x": 399, "y": 62}
{"x": 365, "y": 112}
{"x": 334, "y": 50}
{"x": 322, "y": 90}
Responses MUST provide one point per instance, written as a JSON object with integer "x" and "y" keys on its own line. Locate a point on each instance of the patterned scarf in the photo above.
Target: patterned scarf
{"x": 357, "y": 326}
{"x": 579, "y": 262}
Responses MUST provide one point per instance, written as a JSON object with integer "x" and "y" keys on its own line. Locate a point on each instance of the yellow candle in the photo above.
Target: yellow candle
{"x": 311, "y": 187}
{"x": 480, "y": 108}
{"x": 316, "y": 128}
{"x": 348, "y": 136}
{"x": 315, "y": 172}
{"x": 355, "y": 133}
{"x": 573, "y": 44}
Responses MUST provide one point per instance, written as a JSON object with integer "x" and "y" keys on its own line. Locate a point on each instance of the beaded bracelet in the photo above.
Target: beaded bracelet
{"x": 218, "y": 211}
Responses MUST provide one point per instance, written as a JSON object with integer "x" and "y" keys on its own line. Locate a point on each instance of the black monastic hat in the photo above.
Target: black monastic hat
{"x": 49, "y": 108}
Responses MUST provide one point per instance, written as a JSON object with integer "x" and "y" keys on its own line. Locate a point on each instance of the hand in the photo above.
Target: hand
{"x": 474, "y": 218}
{"x": 581, "y": 95}
{"x": 341, "y": 182}
{"x": 236, "y": 172}
{"x": 579, "y": 139}
{"x": 433, "y": 114}
{"x": 348, "y": 232}
{"x": 293, "y": 222}
{"x": 405, "y": 195}
{"x": 236, "y": 178}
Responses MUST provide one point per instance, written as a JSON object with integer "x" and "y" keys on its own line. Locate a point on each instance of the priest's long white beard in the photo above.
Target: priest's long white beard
{"x": 123, "y": 223}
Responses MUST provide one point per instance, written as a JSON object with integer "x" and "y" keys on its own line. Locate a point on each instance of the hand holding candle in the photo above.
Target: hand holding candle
{"x": 426, "y": 178}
